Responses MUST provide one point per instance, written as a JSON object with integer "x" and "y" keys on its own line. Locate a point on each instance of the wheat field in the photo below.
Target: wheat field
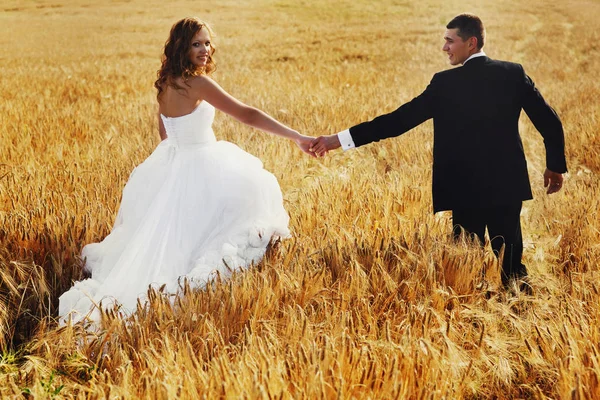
{"x": 369, "y": 299}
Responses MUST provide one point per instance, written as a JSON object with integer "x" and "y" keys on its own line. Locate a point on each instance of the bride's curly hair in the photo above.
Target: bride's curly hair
{"x": 175, "y": 59}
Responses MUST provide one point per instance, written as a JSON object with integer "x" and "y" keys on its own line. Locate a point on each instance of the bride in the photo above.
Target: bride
{"x": 195, "y": 205}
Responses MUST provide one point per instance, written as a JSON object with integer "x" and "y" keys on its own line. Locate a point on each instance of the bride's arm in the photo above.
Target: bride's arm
{"x": 210, "y": 91}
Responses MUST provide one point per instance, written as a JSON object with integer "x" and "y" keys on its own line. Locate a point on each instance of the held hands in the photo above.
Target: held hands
{"x": 304, "y": 143}
{"x": 323, "y": 144}
{"x": 317, "y": 147}
{"x": 553, "y": 181}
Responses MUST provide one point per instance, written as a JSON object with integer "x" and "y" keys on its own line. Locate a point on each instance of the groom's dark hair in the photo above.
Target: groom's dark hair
{"x": 468, "y": 25}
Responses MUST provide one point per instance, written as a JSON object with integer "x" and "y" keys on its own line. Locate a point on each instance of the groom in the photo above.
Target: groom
{"x": 479, "y": 168}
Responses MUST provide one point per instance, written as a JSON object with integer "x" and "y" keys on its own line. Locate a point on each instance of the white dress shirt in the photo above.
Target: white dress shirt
{"x": 480, "y": 54}
{"x": 346, "y": 139}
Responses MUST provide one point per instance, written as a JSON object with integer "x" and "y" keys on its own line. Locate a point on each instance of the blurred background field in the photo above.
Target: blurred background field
{"x": 369, "y": 299}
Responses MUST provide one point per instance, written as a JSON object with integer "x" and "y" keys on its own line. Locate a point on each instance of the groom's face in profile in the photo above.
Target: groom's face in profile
{"x": 458, "y": 50}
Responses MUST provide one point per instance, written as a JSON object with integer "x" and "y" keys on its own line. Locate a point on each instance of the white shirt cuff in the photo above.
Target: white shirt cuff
{"x": 346, "y": 140}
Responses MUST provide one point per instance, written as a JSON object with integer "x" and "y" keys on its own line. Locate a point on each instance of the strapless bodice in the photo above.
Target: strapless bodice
{"x": 192, "y": 129}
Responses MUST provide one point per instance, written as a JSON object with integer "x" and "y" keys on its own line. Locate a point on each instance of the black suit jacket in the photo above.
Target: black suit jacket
{"x": 478, "y": 157}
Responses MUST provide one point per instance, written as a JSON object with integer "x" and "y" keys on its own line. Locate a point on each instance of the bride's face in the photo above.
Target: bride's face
{"x": 200, "y": 48}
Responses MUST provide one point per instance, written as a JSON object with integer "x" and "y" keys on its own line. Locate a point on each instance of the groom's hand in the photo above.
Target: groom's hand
{"x": 553, "y": 181}
{"x": 321, "y": 145}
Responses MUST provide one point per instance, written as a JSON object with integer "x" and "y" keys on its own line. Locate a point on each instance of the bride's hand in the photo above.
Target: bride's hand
{"x": 303, "y": 142}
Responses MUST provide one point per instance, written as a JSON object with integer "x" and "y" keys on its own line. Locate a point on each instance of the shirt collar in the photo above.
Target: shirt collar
{"x": 479, "y": 54}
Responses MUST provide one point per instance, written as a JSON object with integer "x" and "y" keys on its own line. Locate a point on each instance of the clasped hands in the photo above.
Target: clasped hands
{"x": 318, "y": 147}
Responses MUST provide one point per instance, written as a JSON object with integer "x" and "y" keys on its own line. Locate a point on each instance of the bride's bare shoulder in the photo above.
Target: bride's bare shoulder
{"x": 201, "y": 81}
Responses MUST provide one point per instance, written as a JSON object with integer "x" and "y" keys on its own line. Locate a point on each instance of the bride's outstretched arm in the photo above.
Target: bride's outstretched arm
{"x": 208, "y": 90}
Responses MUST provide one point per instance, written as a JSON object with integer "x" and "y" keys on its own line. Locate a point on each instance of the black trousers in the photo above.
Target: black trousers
{"x": 504, "y": 227}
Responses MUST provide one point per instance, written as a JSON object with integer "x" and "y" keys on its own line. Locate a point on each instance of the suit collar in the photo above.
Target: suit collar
{"x": 476, "y": 61}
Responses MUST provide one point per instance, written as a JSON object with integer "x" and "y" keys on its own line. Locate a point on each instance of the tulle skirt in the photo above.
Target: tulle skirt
{"x": 185, "y": 213}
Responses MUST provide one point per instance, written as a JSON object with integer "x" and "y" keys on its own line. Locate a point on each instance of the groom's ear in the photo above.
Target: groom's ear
{"x": 472, "y": 42}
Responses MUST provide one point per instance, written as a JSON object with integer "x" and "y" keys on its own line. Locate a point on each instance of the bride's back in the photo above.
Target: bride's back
{"x": 177, "y": 102}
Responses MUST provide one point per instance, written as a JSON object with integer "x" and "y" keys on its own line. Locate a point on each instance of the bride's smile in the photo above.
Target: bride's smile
{"x": 201, "y": 48}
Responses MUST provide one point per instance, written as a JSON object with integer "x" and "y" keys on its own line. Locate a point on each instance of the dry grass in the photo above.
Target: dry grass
{"x": 369, "y": 299}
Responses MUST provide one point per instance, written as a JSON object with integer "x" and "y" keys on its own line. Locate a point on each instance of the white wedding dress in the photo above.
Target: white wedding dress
{"x": 194, "y": 206}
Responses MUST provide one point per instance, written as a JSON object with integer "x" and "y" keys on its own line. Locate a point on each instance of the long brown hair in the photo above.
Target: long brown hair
{"x": 175, "y": 59}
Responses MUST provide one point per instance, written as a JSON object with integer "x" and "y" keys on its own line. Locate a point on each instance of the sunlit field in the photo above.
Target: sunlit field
{"x": 369, "y": 298}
